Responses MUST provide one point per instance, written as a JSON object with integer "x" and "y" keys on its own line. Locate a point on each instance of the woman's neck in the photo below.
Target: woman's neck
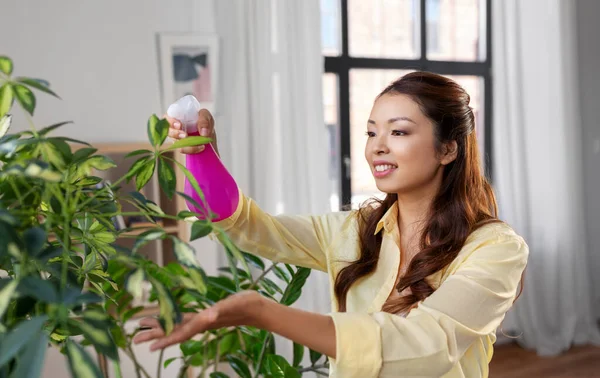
{"x": 414, "y": 207}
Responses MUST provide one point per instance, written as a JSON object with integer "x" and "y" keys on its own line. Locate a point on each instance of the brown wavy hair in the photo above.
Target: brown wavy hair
{"x": 465, "y": 200}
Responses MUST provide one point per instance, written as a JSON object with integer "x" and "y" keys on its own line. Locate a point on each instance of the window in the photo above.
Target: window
{"x": 368, "y": 44}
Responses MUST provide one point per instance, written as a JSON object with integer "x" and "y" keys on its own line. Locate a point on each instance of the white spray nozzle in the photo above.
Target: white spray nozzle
{"x": 185, "y": 110}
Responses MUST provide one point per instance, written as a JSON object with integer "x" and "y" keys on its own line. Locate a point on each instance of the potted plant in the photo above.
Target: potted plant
{"x": 67, "y": 284}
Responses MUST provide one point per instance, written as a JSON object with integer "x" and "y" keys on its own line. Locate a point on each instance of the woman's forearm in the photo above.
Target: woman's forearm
{"x": 313, "y": 330}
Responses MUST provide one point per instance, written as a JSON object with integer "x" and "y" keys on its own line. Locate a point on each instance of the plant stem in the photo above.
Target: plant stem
{"x": 241, "y": 338}
{"x": 118, "y": 372}
{"x": 261, "y": 356}
{"x": 255, "y": 282}
{"x": 160, "y": 359}
{"x": 216, "y": 363}
{"x": 182, "y": 370}
{"x": 314, "y": 369}
{"x": 138, "y": 368}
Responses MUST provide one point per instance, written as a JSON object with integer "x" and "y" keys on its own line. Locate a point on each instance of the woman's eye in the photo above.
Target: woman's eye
{"x": 398, "y": 133}
{"x": 370, "y": 134}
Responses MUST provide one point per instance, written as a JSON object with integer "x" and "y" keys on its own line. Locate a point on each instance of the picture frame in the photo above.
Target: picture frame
{"x": 188, "y": 65}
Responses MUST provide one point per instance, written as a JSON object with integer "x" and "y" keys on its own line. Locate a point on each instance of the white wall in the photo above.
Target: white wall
{"x": 101, "y": 58}
{"x": 589, "y": 79}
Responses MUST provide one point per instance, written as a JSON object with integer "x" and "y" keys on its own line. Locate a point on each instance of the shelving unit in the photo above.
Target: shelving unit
{"x": 161, "y": 251}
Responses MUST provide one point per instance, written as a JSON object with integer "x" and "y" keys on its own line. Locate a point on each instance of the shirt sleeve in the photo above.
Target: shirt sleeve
{"x": 469, "y": 304}
{"x": 292, "y": 239}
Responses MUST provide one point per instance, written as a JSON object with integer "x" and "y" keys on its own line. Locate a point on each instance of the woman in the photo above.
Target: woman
{"x": 421, "y": 280}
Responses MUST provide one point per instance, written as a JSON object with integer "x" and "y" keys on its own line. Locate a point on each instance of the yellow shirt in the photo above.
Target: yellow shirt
{"x": 450, "y": 334}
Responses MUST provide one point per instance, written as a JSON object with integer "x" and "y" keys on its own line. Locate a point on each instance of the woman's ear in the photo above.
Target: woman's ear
{"x": 449, "y": 152}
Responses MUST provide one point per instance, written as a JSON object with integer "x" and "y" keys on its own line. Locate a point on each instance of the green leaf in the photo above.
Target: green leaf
{"x": 315, "y": 356}
{"x": 137, "y": 152}
{"x": 86, "y": 298}
{"x": 131, "y": 313}
{"x": 134, "y": 283}
{"x": 168, "y": 362}
{"x": 281, "y": 274}
{"x": 294, "y": 289}
{"x": 96, "y": 317}
{"x": 229, "y": 344}
{"x": 37, "y": 84}
{"x": 198, "y": 279}
{"x": 254, "y": 260}
{"x": 233, "y": 249}
{"x": 145, "y": 174}
{"x": 184, "y": 214}
{"x": 169, "y": 313}
{"x": 19, "y": 336}
{"x": 31, "y": 361}
{"x": 190, "y": 347}
{"x": 6, "y": 65}
{"x": 189, "y": 199}
{"x": 5, "y": 122}
{"x": 83, "y": 153}
{"x": 270, "y": 286}
{"x": 137, "y": 166}
{"x": 50, "y": 128}
{"x": 25, "y": 97}
{"x": 166, "y": 177}
{"x": 188, "y": 142}
{"x": 5, "y": 296}
{"x": 200, "y": 229}
{"x": 185, "y": 253}
{"x": 35, "y": 239}
{"x": 101, "y": 162}
{"x": 6, "y": 98}
{"x": 196, "y": 360}
{"x": 240, "y": 367}
{"x": 278, "y": 367}
{"x": 67, "y": 139}
{"x": 42, "y": 290}
{"x": 298, "y": 354}
{"x": 218, "y": 374}
{"x": 80, "y": 362}
{"x": 63, "y": 147}
{"x": 42, "y": 171}
{"x": 224, "y": 283}
{"x": 119, "y": 336}
{"x": 158, "y": 130}
{"x": 88, "y": 181}
{"x": 101, "y": 338}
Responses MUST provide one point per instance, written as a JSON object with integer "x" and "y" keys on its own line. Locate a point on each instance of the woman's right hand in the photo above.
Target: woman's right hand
{"x": 205, "y": 125}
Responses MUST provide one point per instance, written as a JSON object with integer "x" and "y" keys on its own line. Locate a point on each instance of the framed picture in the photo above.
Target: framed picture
{"x": 188, "y": 65}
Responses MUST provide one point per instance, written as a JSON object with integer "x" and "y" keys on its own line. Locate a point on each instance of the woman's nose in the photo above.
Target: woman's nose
{"x": 381, "y": 146}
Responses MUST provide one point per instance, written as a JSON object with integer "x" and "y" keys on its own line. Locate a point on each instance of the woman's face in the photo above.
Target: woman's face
{"x": 401, "y": 146}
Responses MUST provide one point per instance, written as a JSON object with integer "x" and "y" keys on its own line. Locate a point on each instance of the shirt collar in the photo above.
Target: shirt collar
{"x": 389, "y": 220}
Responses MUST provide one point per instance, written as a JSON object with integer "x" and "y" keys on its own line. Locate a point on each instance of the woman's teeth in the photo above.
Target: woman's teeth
{"x": 383, "y": 168}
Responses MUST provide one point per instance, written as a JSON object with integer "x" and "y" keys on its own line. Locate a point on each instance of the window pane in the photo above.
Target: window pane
{"x": 456, "y": 30}
{"x": 331, "y": 27}
{"x": 331, "y": 107}
{"x": 383, "y": 28}
{"x": 474, "y": 85}
{"x": 365, "y": 85}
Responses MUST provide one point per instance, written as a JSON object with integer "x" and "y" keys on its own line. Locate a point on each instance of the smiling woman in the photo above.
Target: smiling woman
{"x": 420, "y": 280}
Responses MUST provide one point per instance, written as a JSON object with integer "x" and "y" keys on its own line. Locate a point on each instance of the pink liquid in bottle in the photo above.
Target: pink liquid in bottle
{"x": 219, "y": 188}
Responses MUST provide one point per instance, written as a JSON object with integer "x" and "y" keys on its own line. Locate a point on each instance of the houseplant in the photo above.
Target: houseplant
{"x": 67, "y": 284}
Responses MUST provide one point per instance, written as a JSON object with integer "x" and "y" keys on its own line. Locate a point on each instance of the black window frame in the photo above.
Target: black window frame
{"x": 342, "y": 64}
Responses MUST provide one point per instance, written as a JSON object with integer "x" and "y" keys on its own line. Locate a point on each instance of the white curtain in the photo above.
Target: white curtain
{"x": 537, "y": 166}
{"x": 269, "y": 114}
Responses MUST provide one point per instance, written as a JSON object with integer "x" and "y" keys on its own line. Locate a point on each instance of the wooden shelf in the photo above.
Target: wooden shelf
{"x": 148, "y": 311}
{"x": 138, "y": 231}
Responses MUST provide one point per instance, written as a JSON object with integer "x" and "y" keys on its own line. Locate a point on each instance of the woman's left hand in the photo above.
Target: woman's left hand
{"x": 239, "y": 309}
